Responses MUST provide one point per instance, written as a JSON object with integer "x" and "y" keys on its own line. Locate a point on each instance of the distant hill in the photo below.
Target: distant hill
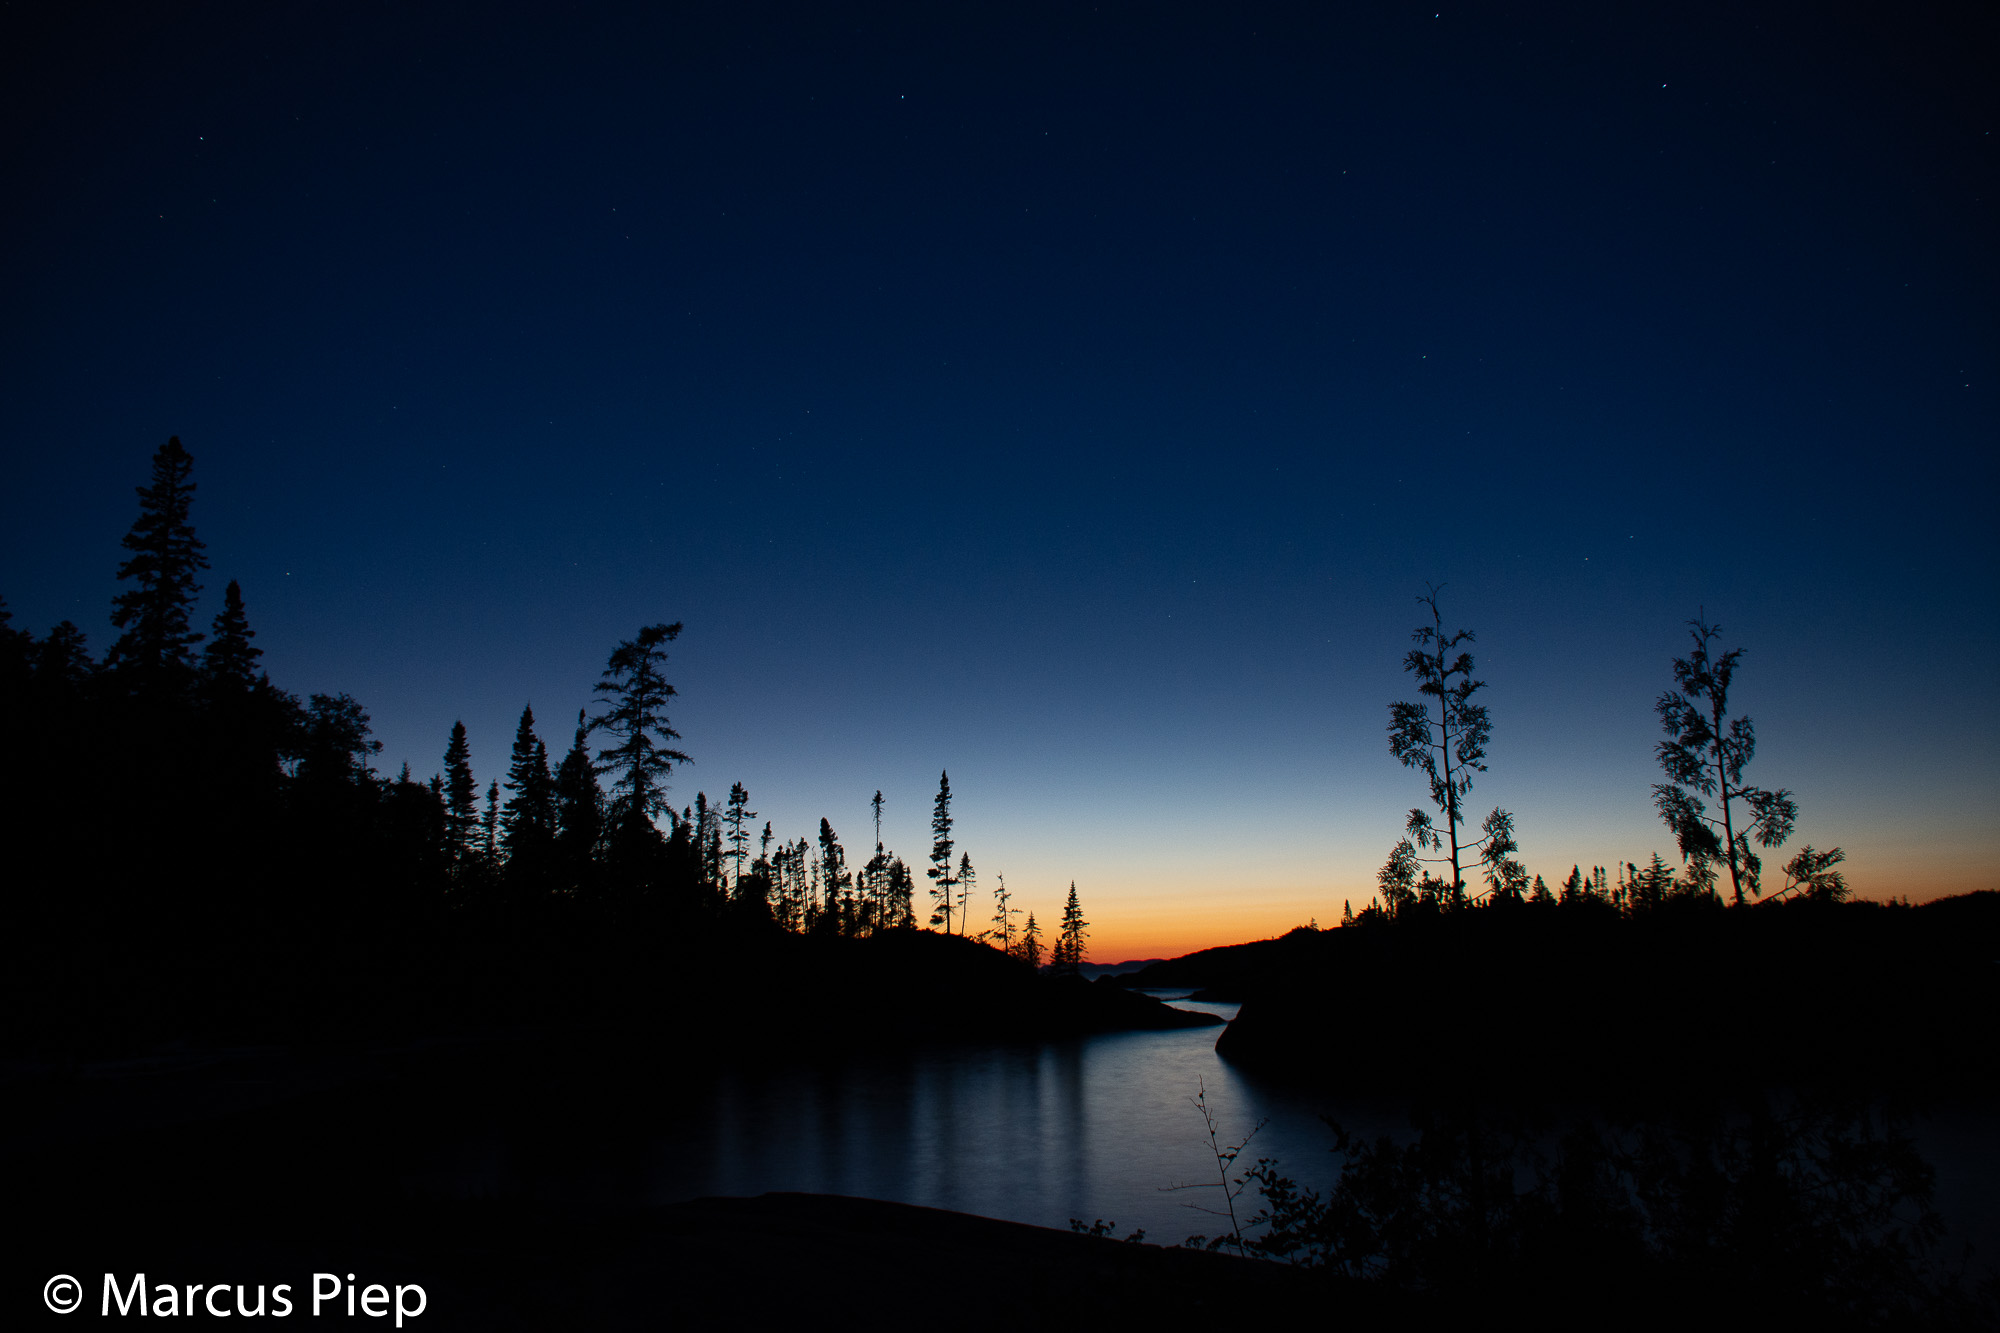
{"x": 1092, "y": 971}
{"x": 1225, "y": 972}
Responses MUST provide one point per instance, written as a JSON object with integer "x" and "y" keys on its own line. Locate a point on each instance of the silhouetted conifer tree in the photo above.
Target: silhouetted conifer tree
{"x": 579, "y": 812}
{"x": 528, "y": 826}
{"x": 736, "y": 815}
{"x": 414, "y": 847}
{"x": 708, "y": 840}
{"x": 461, "y": 804}
{"x": 833, "y": 879}
{"x": 1067, "y": 957}
{"x": 1573, "y": 888}
{"x": 900, "y": 912}
{"x": 711, "y": 851}
{"x": 635, "y": 694}
{"x": 967, "y": 879}
{"x": 154, "y": 655}
{"x": 1649, "y": 889}
{"x": 1703, "y": 757}
{"x": 1031, "y": 943}
{"x": 229, "y": 663}
{"x": 1002, "y": 932}
{"x": 489, "y": 829}
{"x": 247, "y": 716}
{"x": 62, "y": 662}
{"x": 941, "y": 845}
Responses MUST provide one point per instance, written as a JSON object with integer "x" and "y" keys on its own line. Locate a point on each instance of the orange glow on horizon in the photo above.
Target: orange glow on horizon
{"x": 1133, "y": 935}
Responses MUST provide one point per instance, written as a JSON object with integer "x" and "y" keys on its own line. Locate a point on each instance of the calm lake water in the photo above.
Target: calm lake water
{"x": 1096, "y": 1127}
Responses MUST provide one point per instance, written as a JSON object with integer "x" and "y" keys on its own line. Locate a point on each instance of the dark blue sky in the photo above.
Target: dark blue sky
{"x": 1073, "y": 400}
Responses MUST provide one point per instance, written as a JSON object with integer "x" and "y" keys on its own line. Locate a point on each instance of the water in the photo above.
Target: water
{"x": 1096, "y": 1127}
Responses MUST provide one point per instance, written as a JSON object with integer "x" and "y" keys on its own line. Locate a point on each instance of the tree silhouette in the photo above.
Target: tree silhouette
{"x": 1031, "y": 943}
{"x": 941, "y": 845}
{"x": 461, "y": 804}
{"x": 834, "y": 881}
{"x": 528, "y": 825}
{"x": 63, "y": 668}
{"x": 1703, "y": 757}
{"x": 1448, "y": 749}
{"x": 155, "y": 652}
{"x": 489, "y": 830}
{"x": 736, "y": 814}
{"x": 229, "y": 663}
{"x": 900, "y": 895}
{"x": 1002, "y": 932}
{"x": 579, "y": 811}
{"x": 634, "y": 694}
{"x": 1397, "y": 879}
{"x": 336, "y": 745}
{"x": 1068, "y": 954}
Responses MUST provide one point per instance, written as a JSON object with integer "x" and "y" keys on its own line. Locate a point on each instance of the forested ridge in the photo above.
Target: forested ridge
{"x": 200, "y": 854}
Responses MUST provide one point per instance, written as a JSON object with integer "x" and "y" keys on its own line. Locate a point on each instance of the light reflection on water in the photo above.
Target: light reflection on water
{"x": 1095, "y": 1127}
{"x": 1089, "y": 1128}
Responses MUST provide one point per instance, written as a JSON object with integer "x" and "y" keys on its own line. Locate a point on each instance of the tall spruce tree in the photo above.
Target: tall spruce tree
{"x": 579, "y": 811}
{"x": 634, "y": 694}
{"x": 528, "y": 826}
{"x": 489, "y": 829}
{"x": 461, "y": 804}
{"x": 900, "y": 912}
{"x": 836, "y": 915}
{"x": 155, "y": 653}
{"x": 229, "y": 663}
{"x": 1704, "y": 756}
{"x": 940, "y": 868}
{"x": 63, "y": 669}
{"x": 736, "y": 814}
{"x": 1031, "y": 943}
{"x": 1067, "y": 957}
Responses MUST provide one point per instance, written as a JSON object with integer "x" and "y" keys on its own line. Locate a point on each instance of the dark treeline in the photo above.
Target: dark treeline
{"x": 199, "y": 852}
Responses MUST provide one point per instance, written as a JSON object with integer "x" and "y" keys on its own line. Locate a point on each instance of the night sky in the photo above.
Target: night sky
{"x": 1073, "y": 399}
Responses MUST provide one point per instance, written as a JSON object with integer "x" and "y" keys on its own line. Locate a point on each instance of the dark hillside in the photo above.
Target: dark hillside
{"x": 1556, "y": 998}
